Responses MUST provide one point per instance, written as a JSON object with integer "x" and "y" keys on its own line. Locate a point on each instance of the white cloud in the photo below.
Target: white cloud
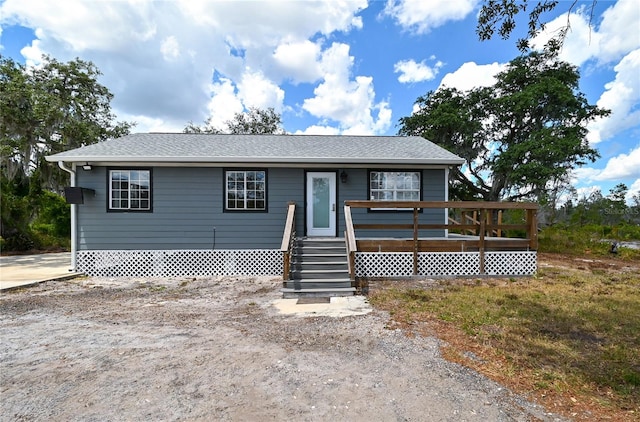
{"x": 170, "y": 48}
{"x": 158, "y": 58}
{"x": 81, "y": 25}
{"x": 622, "y": 97}
{"x": 319, "y": 130}
{"x": 619, "y": 169}
{"x": 410, "y": 71}
{"x": 584, "y": 175}
{"x": 585, "y": 192}
{"x": 471, "y": 75}
{"x": 250, "y": 24}
{"x": 253, "y": 90}
{"x": 623, "y": 166}
{"x": 350, "y": 102}
{"x": 256, "y": 91}
{"x": 421, "y": 16}
{"x": 299, "y": 60}
{"x": 150, "y": 124}
{"x": 607, "y": 42}
{"x": 634, "y": 189}
{"x": 224, "y": 103}
{"x": 616, "y": 30}
{"x": 581, "y": 43}
{"x": 585, "y": 40}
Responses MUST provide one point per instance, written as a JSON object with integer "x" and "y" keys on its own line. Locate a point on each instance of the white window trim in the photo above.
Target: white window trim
{"x": 395, "y": 190}
{"x": 128, "y": 190}
{"x": 246, "y": 198}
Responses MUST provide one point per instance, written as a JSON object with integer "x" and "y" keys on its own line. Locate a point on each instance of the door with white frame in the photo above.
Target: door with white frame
{"x": 321, "y": 204}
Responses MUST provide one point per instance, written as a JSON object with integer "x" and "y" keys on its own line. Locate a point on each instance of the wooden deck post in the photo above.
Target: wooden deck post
{"x": 483, "y": 229}
{"x": 532, "y": 229}
{"x": 288, "y": 238}
{"x": 350, "y": 239}
{"x": 415, "y": 241}
{"x": 286, "y": 266}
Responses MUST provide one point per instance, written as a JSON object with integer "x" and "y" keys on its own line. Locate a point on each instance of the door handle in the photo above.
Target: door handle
{"x": 333, "y": 207}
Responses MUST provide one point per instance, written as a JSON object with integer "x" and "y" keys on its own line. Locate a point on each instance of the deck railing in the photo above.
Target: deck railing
{"x": 350, "y": 240}
{"x": 288, "y": 240}
{"x": 487, "y": 229}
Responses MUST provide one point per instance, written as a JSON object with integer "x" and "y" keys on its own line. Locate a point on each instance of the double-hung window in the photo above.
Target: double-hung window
{"x": 394, "y": 185}
{"x": 246, "y": 190}
{"x": 130, "y": 190}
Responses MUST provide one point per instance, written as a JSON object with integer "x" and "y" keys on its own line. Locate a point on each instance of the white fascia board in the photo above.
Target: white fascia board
{"x": 255, "y": 160}
{"x": 267, "y": 165}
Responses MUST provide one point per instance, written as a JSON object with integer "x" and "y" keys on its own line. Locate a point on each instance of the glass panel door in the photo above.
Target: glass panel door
{"x": 321, "y": 204}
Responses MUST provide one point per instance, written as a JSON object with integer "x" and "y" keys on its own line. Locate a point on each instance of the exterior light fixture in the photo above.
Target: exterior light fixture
{"x": 343, "y": 176}
{"x": 86, "y": 166}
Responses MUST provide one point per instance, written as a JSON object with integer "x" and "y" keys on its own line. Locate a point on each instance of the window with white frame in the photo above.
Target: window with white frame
{"x": 246, "y": 190}
{"x": 130, "y": 190}
{"x": 394, "y": 185}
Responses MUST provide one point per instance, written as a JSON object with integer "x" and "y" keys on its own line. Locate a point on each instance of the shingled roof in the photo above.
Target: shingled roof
{"x": 261, "y": 149}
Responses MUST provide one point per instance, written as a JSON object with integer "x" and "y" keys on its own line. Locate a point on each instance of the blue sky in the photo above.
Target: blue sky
{"x": 348, "y": 67}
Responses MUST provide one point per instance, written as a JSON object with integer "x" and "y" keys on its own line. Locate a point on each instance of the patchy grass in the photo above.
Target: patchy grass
{"x": 588, "y": 240}
{"x": 569, "y": 336}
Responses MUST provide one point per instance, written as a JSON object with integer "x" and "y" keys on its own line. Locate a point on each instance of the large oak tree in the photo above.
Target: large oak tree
{"x": 517, "y": 137}
{"x": 45, "y": 110}
{"x": 49, "y": 109}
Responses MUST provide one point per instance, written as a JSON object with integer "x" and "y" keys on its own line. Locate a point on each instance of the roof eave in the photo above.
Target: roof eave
{"x": 266, "y": 160}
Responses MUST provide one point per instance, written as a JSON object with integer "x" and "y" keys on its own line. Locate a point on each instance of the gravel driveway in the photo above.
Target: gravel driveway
{"x": 216, "y": 349}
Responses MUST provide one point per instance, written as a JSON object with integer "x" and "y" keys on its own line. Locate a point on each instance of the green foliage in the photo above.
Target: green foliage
{"x": 16, "y": 213}
{"x": 256, "y": 121}
{"x": 45, "y": 110}
{"x": 50, "y": 109}
{"x": 54, "y": 217}
{"x": 594, "y": 239}
{"x": 517, "y": 137}
{"x": 501, "y": 15}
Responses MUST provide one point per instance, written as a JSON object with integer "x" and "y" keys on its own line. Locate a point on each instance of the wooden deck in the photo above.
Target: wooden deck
{"x": 484, "y": 219}
{"x": 451, "y": 243}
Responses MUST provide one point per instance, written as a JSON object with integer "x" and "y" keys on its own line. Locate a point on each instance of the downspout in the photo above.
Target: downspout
{"x": 74, "y": 246}
{"x": 446, "y": 198}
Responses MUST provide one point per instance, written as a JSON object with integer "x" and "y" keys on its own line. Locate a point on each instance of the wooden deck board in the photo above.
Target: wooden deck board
{"x": 450, "y": 244}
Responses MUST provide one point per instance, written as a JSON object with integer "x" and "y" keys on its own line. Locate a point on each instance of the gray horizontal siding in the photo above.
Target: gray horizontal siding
{"x": 357, "y": 188}
{"x": 187, "y": 206}
{"x": 188, "y": 203}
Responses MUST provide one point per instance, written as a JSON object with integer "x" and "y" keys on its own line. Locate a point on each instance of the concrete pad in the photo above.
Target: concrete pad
{"x": 26, "y": 270}
{"x": 337, "y": 307}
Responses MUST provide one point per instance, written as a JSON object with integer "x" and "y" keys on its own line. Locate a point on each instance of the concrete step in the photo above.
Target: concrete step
{"x": 288, "y": 293}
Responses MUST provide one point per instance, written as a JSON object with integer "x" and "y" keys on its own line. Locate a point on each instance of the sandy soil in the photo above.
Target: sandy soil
{"x": 216, "y": 349}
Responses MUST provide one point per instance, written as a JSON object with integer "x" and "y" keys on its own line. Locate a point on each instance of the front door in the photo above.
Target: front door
{"x": 321, "y": 204}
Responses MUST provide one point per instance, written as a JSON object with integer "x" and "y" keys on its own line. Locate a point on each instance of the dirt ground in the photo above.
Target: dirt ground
{"x": 99, "y": 349}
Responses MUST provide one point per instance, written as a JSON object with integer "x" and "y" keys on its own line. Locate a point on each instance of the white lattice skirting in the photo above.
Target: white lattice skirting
{"x": 180, "y": 263}
{"x": 438, "y": 264}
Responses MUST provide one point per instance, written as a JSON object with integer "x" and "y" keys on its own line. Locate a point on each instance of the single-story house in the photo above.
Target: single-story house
{"x": 176, "y": 204}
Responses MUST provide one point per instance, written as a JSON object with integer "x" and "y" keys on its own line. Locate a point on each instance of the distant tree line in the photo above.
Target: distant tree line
{"x": 256, "y": 121}
{"x": 607, "y": 210}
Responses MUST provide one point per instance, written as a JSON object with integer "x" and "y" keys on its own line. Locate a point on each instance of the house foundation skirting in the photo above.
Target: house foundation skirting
{"x": 439, "y": 264}
{"x": 180, "y": 263}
